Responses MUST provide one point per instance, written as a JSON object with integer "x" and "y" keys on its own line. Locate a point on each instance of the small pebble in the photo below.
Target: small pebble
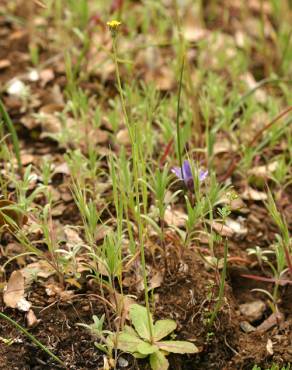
{"x": 246, "y": 327}
{"x": 253, "y": 311}
{"x": 16, "y": 87}
{"x": 123, "y": 362}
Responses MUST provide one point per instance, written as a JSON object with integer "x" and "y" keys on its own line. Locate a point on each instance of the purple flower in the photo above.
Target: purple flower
{"x": 185, "y": 174}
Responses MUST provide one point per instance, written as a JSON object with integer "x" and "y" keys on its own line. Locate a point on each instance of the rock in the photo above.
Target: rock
{"x": 17, "y": 88}
{"x": 253, "y": 310}
{"x": 123, "y": 362}
{"x": 246, "y": 327}
{"x": 269, "y": 347}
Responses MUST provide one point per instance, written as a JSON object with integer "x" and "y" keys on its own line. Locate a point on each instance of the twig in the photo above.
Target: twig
{"x": 234, "y": 162}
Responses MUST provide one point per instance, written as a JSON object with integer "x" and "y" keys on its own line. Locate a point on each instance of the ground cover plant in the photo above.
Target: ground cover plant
{"x": 145, "y": 199}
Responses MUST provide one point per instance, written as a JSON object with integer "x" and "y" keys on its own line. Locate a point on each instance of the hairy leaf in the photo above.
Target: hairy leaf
{"x": 138, "y": 355}
{"x": 158, "y": 361}
{"x": 162, "y": 328}
{"x": 139, "y": 318}
{"x": 146, "y": 348}
{"x": 128, "y": 342}
{"x": 177, "y": 346}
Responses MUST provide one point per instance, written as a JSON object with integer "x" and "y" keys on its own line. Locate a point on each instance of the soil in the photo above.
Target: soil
{"x": 182, "y": 295}
{"x": 182, "y": 298}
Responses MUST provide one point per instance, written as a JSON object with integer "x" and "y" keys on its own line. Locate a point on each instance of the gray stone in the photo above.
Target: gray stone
{"x": 253, "y": 311}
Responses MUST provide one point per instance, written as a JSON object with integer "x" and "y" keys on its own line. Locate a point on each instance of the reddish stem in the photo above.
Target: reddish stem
{"x": 268, "y": 280}
{"x": 236, "y": 159}
{"x": 166, "y": 152}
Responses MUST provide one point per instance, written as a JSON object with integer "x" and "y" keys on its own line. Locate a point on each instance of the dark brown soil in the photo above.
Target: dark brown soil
{"x": 182, "y": 297}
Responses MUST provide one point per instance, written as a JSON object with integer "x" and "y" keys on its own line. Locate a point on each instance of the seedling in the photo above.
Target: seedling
{"x": 139, "y": 342}
{"x": 96, "y": 328}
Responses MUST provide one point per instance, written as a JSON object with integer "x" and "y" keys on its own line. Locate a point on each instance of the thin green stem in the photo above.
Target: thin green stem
{"x": 120, "y": 89}
{"x": 135, "y": 153}
{"x": 182, "y": 63}
{"x": 32, "y": 338}
{"x": 221, "y": 287}
{"x": 177, "y": 118}
{"x": 7, "y": 120}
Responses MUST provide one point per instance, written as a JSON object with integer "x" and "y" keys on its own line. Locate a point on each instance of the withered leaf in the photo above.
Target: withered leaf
{"x": 13, "y": 296}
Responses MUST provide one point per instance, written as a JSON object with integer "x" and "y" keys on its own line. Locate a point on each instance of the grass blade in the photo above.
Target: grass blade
{"x": 12, "y": 131}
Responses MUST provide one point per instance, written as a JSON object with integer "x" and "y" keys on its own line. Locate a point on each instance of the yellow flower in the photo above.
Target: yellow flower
{"x": 113, "y": 25}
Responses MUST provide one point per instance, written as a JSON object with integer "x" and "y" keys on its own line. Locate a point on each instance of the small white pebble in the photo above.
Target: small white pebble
{"x": 23, "y": 305}
{"x": 16, "y": 87}
{"x": 123, "y": 362}
{"x": 33, "y": 75}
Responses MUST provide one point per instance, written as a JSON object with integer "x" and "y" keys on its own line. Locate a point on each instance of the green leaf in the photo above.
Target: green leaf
{"x": 128, "y": 342}
{"x": 139, "y": 318}
{"x": 101, "y": 347}
{"x": 158, "y": 361}
{"x": 12, "y": 131}
{"x": 177, "y": 346}
{"x": 146, "y": 348}
{"x": 162, "y": 328}
{"x": 138, "y": 355}
{"x": 128, "y": 329}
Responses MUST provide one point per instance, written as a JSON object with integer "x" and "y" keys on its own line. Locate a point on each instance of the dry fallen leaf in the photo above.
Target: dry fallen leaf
{"x": 50, "y": 125}
{"x": 13, "y": 296}
{"x": 27, "y": 159}
{"x": 58, "y": 210}
{"x": 224, "y": 146}
{"x": 123, "y": 137}
{"x": 39, "y": 269}
{"x": 237, "y": 226}
{"x": 194, "y": 34}
{"x": 31, "y": 319}
{"x": 163, "y": 78}
{"x": 252, "y": 194}
{"x": 57, "y": 292}
{"x": 221, "y": 229}
{"x": 29, "y": 122}
{"x": 100, "y": 136}
{"x": 175, "y": 217}
{"x": 264, "y": 171}
{"x": 5, "y": 63}
{"x": 62, "y": 169}
{"x": 269, "y": 347}
{"x": 259, "y": 94}
{"x": 51, "y": 108}
{"x": 46, "y": 75}
{"x": 72, "y": 236}
{"x": 156, "y": 280}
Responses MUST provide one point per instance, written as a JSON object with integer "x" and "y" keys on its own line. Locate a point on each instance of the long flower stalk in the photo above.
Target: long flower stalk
{"x": 113, "y": 25}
